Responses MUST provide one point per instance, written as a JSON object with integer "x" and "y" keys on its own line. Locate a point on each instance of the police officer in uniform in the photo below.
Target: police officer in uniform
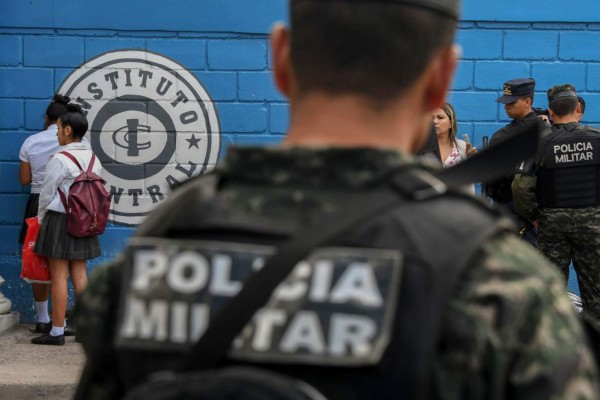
{"x": 560, "y": 194}
{"x": 363, "y": 77}
{"x": 518, "y": 100}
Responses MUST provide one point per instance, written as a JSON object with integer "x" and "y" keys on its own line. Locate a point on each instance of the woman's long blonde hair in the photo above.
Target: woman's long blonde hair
{"x": 449, "y": 110}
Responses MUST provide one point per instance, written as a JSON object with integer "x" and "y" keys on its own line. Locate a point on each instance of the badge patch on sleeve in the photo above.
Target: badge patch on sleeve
{"x": 335, "y": 308}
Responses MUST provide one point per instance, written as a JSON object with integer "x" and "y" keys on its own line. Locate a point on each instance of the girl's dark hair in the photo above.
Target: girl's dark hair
{"x": 75, "y": 118}
{"x": 57, "y": 107}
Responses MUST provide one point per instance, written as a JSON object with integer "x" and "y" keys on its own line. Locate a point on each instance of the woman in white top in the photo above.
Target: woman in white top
{"x": 66, "y": 254}
{"x": 452, "y": 149}
{"x": 34, "y": 155}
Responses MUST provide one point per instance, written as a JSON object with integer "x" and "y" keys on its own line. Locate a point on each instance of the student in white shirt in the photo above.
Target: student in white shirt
{"x": 66, "y": 254}
{"x": 34, "y": 155}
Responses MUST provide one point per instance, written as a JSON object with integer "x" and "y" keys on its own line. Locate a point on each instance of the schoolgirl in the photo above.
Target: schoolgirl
{"x": 66, "y": 254}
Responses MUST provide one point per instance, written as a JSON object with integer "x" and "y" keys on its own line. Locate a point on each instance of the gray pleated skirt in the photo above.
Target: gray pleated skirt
{"x": 53, "y": 240}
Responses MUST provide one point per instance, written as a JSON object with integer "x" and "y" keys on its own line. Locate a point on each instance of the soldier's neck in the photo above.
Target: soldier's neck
{"x": 565, "y": 119}
{"x": 322, "y": 120}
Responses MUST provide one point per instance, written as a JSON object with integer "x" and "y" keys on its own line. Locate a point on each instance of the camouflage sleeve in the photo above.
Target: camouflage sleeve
{"x": 95, "y": 316}
{"x": 523, "y": 190}
{"x": 512, "y": 333}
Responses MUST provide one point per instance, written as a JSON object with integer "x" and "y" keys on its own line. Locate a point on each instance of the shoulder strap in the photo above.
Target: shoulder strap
{"x": 63, "y": 197}
{"x": 72, "y": 158}
{"x": 91, "y": 165}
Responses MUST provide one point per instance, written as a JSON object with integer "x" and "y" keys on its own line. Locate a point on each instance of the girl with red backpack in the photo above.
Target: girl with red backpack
{"x": 66, "y": 254}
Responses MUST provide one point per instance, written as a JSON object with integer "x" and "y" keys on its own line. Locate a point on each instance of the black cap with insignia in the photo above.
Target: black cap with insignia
{"x": 450, "y": 8}
{"x": 515, "y": 89}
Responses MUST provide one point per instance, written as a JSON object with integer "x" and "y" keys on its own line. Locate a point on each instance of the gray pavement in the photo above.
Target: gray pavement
{"x": 29, "y": 371}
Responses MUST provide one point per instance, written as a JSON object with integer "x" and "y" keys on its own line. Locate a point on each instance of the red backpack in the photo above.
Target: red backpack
{"x": 89, "y": 202}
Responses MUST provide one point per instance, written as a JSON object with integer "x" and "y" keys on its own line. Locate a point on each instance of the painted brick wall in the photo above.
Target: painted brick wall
{"x": 225, "y": 45}
{"x": 493, "y": 52}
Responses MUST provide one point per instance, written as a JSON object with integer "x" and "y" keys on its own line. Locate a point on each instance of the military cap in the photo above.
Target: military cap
{"x": 561, "y": 92}
{"x": 515, "y": 89}
{"x": 450, "y": 8}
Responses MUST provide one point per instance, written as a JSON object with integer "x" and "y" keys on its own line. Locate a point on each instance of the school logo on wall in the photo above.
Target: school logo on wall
{"x": 151, "y": 123}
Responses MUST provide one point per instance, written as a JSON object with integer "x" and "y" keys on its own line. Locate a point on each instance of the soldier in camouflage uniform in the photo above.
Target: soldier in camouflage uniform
{"x": 559, "y": 193}
{"x": 508, "y": 331}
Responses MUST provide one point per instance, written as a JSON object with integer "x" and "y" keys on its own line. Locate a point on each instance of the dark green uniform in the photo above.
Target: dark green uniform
{"x": 509, "y": 331}
{"x": 560, "y": 190}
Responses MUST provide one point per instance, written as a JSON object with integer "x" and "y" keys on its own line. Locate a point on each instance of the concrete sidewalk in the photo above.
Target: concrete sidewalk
{"x": 29, "y": 371}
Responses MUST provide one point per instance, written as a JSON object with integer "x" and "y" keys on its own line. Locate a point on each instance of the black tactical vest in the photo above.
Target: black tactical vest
{"x": 355, "y": 319}
{"x": 569, "y": 172}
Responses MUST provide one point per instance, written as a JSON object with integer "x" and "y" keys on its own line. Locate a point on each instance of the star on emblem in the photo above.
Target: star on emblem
{"x": 193, "y": 142}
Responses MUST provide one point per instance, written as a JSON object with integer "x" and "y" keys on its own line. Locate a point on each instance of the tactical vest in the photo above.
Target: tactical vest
{"x": 355, "y": 319}
{"x": 569, "y": 172}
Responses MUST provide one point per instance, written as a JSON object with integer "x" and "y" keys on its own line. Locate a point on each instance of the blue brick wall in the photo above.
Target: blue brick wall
{"x": 12, "y": 50}
{"x": 498, "y": 49}
{"x": 530, "y": 11}
{"x": 45, "y": 51}
{"x": 237, "y": 55}
{"x": 579, "y": 45}
{"x": 225, "y": 45}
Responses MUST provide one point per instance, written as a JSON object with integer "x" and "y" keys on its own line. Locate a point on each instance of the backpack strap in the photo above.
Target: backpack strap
{"x": 63, "y": 197}
{"x": 72, "y": 158}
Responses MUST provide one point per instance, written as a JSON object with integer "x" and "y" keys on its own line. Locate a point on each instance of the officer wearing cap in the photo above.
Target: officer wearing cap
{"x": 517, "y": 98}
{"x": 559, "y": 191}
{"x": 362, "y": 77}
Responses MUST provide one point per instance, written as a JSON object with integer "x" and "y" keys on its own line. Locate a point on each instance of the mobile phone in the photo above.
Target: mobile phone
{"x": 466, "y": 138}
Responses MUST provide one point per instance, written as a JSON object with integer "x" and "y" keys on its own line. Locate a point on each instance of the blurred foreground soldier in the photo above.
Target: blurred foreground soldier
{"x": 560, "y": 193}
{"x": 517, "y": 100}
{"x": 356, "y": 319}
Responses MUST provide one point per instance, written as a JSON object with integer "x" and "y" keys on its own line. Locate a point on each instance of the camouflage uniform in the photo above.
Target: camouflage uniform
{"x": 574, "y": 235}
{"x": 509, "y": 331}
{"x": 566, "y": 234}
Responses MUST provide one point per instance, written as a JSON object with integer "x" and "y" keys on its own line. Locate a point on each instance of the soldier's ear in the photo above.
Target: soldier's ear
{"x": 438, "y": 76}
{"x": 281, "y": 59}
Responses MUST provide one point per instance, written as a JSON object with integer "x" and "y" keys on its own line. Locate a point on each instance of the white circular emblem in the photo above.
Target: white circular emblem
{"x": 151, "y": 123}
